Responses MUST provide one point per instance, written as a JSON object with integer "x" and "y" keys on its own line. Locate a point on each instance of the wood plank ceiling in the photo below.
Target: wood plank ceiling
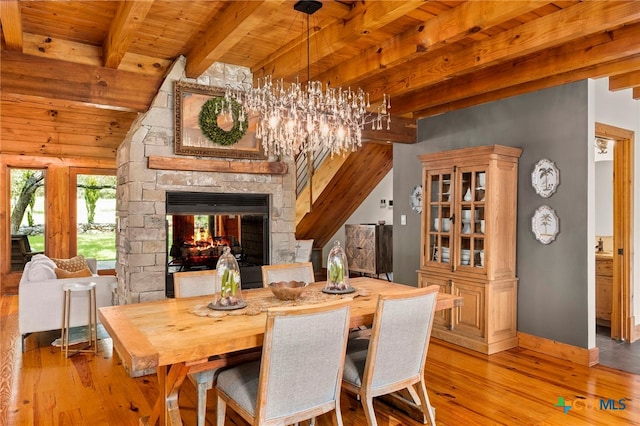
{"x": 75, "y": 74}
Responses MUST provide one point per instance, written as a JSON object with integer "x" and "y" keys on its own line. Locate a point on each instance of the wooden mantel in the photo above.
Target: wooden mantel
{"x": 222, "y": 166}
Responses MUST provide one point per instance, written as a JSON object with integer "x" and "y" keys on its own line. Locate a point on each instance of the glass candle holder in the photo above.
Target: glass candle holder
{"x": 337, "y": 271}
{"x": 229, "y": 281}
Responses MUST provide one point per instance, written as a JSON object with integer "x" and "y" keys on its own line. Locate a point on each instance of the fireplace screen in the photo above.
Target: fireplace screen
{"x": 200, "y": 225}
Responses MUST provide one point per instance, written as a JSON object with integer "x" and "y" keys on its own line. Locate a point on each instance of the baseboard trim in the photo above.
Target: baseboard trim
{"x": 582, "y": 356}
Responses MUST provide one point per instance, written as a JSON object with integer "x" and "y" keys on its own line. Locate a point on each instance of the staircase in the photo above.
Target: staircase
{"x": 339, "y": 185}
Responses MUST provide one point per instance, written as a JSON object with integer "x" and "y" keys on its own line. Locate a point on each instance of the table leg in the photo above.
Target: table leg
{"x": 166, "y": 410}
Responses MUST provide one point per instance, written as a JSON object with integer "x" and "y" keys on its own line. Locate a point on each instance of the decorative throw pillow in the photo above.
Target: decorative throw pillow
{"x": 40, "y": 271}
{"x": 42, "y": 259}
{"x": 74, "y": 264}
{"x": 61, "y": 273}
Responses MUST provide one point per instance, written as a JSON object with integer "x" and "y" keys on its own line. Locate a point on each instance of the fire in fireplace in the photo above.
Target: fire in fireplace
{"x": 201, "y": 224}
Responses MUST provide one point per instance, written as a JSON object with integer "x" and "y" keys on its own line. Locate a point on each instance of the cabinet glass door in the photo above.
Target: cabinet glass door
{"x": 439, "y": 198}
{"x": 470, "y": 228}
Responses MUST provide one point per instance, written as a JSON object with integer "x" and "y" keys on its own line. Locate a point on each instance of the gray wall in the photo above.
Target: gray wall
{"x": 553, "y": 124}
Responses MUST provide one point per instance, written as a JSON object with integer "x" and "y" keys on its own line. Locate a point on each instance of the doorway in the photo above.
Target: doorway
{"x": 622, "y": 318}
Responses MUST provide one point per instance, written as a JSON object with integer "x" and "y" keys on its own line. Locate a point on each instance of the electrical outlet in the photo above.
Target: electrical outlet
{"x": 403, "y": 219}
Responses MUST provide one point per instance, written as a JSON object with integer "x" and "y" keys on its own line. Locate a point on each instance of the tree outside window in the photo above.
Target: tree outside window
{"x": 27, "y": 205}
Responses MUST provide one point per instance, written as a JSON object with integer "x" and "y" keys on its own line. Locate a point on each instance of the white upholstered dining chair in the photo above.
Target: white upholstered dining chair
{"x": 201, "y": 283}
{"x": 190, "y": 284}
{"x": 300, "y": 372}
{"x": 394, "y": 356}
{"x": 302, "y": 271}
{"x": 195, "y": 283}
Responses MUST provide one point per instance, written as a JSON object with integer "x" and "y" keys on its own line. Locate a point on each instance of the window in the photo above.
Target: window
{"x": 95, "y": 217}
{"x": 27, "y": 214}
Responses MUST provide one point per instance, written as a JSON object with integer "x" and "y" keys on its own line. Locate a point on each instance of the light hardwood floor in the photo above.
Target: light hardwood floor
{"x": 515, "y": 387}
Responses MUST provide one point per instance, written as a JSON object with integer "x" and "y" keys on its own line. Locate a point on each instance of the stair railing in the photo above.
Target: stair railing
{"x": 305, "y": 170}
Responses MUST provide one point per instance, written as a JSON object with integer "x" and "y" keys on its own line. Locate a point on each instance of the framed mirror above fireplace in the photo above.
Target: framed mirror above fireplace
{"x": 201, "y": 224}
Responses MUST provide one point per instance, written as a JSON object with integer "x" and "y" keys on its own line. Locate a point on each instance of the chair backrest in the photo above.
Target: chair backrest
{"x": 24, "y": 244}
{"x": 399, "y": 339}
{"x": 25, "y": 247}
{"x": 195, "y": 283}
{"x": 303, "y": 250}
{"x": 303, "y": 355}
{"x": 287, "y": 272}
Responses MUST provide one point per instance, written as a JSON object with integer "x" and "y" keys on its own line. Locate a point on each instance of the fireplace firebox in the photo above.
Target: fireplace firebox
{"x": 201, "y": 224}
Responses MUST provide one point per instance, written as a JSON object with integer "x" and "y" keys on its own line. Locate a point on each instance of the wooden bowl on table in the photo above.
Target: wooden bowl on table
{"x": 288, "y": 290}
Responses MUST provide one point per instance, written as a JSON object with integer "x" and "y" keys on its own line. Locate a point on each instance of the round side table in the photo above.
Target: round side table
{"x": 92, "y": 331}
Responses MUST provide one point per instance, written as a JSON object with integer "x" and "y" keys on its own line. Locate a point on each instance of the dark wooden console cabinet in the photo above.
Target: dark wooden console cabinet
{"x": 369, "y": 248}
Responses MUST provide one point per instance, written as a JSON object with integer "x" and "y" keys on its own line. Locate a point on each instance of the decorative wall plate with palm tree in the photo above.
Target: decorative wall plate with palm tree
{"x": 545, "y": 178}
{"x": 545, "y": 224}
{"x": 415, "y": 199}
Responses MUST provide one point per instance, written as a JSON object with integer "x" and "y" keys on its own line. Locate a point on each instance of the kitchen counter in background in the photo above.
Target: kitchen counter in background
{"x": 604, "y": 287}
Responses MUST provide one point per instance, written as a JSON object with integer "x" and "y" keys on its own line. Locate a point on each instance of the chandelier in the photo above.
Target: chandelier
{"x": 295, "y": 118}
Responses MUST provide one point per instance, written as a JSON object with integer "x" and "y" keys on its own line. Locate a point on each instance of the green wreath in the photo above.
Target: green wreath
{"x": 208, "y": 121}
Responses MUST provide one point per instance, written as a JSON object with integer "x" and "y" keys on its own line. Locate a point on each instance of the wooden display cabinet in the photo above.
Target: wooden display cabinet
{"x": 468, "y": 244}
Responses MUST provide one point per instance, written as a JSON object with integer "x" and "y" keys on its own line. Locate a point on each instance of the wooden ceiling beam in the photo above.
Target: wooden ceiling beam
{"x": 401, "y": 130}
{"x": 597, "y": 56}
{"x": 427, "y": 37}
{"x": 11, "y": 20}
{"x": 33, "y": 160}
{"x": 572, "y": 23}
{"x": 601, "y": 47}
{"x": 129, "y": 17}
{"x": 62, "y": 131}
{"x": 44, "y": 46}
{"x": 364, "y": 18}
{"x": 65, "y": 50}
{"x": 102, "y": 87}
{"x": 29, "y": 122}
{"x": 19, "y": 136}
{"x": 225, "y": 31}
{"x": 47, "y": 148}
{"x": 67, "y": 123}
{"x": 12, "y": 103}
{"x": 593, "y": 71}
{"x": 624, "y": 81}
{"x": 636, "y": 93}
{"x": 331, "y": 11}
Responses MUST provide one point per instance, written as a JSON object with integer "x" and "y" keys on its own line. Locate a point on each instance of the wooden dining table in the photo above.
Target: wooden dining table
{"x": 171, "y": 335}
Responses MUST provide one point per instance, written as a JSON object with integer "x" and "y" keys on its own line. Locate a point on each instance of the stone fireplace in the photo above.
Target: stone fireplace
{"x": 142, "y": 246}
